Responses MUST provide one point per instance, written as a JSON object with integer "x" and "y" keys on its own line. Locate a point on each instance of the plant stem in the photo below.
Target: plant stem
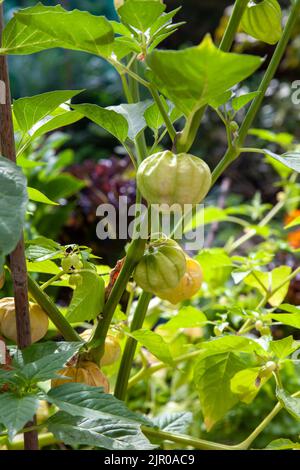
{"x": 233, "y": 24}
{"x": 130, "y": 347}
{"x": 136, "y": 248}
{"x": 270, "y": 72}
{"x": 251, "y": 233}
{"x": 190, "y": 130}
{"x": 51, "y": 280}
{"x": 164, "y": 112}
{"x": 46, "y": 439}
{"x": 147, "y": 371}
{"x": 52, "y": 311}
{"x": 258, "y": 430}
{"x": 232, "y": 154}
{"x": 135, "y": 252}
{"x": 187, "y": 441}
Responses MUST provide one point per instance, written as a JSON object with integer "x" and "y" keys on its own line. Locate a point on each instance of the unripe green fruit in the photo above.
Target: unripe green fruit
{"x": 262, "y": 21}
{"x": 234, "y": 127}
{"x": 259, "y": 325}
{"x": 71, "y": 262}
{"x": 162, "y": 266}
{"x": 168, "y": 178}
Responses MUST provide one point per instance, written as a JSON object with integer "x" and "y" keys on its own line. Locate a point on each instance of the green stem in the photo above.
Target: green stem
{"x": 278, "y": 407}
{"x": 147, "y": 371}
{"x": 233, "y": 25}
{"x": 137, "y": 245}
{"x": 186, "y": 441}
{"x": 51, "y": 280}
{"x": 232, "y": 154}
{"x": 270, "y": 72}
{"x": 190, "y": 130}
{"x": 46, "y": 439}
{"x": 52, "y": 311}
{"x": 135, "y": 252}
{"x": 247, "y": 236}
{"x": 130, "y": 347}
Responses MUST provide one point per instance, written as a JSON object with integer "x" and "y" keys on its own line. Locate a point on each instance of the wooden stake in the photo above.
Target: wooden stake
{"x": 17, "y": 257}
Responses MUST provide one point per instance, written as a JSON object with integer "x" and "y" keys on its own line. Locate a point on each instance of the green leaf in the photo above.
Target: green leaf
{"x": 62, "y": 186}
{"x": 134, "y": 115}
{"x": 289, "y": 159}
{"x": 290, "y": 319}
{"x": 282, "y": 348}
{"x": 240, "y": 101}
{"x": 88, "y": 298}
{"x": 140, "y": 14}
{"x": 37, "y": 351}
{"x": 212, "y": 376}
{"x": 215, "y": 264}
{"x": 13, "y": 204}
{"x": 112, "y": 435}
{"x": 191, "y": 77}
{"x": 56, "y": 122}
{"x": 37, "y": 196}
{"x": 282, "y": 444}
{"x": 188, "y": 317}
{"x": 46, "y": 367}
{"x": 165, "y": 19}
{"x": 28, "y": 111}
{"x": 269, "y": 281}
{"x": 46, "y": 267}
{"x": 107, "y": 118}
{"x": 291, "y": 404}
{"x": 16, "y": 411}
{"x": 90, "y": 402}
{"x": 281, "y": 138}
{"x": 154, "y": 343}
{"x": 231, "y": 343}
{"x": 42, "y": 27}
{"x": 244, "y": 384}
{"x": 177, "y": 423}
